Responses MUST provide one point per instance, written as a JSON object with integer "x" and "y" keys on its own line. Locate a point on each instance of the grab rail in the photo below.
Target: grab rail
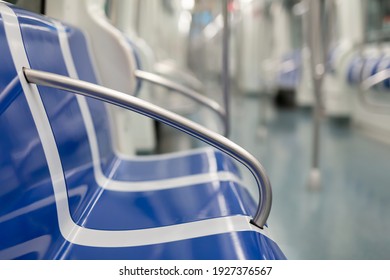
{"x": 174, "y": 120}
{"x": 192, "y": 94}
{"x": 367, "y": 84}
{"x": 169, "y": 69}
{"x": 9, "y": 94}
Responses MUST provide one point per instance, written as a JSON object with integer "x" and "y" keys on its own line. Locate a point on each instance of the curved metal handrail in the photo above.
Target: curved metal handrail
{"x": 174, "y": 120}
{"x": 192, "y": 94}
{"x": 317, "y": 46}
{"x": 369, "y": 83}
{"x": 168, "y": 69}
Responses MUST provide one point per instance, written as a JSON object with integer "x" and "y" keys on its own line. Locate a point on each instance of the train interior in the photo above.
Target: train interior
{"x": 164, "y": 129}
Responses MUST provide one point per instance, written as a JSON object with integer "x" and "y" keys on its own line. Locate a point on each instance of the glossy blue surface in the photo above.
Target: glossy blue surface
{"x": 386, "y": 83}
{"x": 28, "y": 208}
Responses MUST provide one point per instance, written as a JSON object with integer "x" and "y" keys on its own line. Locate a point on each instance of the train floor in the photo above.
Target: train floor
{"x": 348, "y": 216}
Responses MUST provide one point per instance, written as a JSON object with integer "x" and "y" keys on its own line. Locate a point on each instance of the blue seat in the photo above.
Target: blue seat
{"x": 383, "y": 65}
{"x": 66, "y": 194}
{"x": 354, "y": 71}
{"x": 290, "y": 72}
{"x": 370, "y": 66}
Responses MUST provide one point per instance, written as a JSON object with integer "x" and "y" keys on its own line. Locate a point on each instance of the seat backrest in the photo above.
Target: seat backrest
{"x": 24, "y": 172}
{"x": 67, "y": 122}
{"x": 383, "y": 64}
{"x": 21, "y": 157}
{"x": 31, "y": 146}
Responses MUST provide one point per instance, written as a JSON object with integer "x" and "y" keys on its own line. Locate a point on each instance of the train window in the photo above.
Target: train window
{"x": 37, "y": 6}
{"x": 378, "y": 20}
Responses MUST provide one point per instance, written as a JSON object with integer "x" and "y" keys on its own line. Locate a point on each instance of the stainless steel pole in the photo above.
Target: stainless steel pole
{"x": 317, "y": 50}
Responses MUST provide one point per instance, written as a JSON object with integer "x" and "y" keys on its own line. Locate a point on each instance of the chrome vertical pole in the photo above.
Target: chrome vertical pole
{"x": 225, "y": 64}
{"x": 169, "y": 118}
{"x": 317, "y": 58}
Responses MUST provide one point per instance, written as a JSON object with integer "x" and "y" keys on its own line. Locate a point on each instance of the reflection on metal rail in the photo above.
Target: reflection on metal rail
{"x": 199, "y": 98}
{"x": 168, "y": 68}
{"x": 145, "y": 108}
{"x": 369, "y": 83}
